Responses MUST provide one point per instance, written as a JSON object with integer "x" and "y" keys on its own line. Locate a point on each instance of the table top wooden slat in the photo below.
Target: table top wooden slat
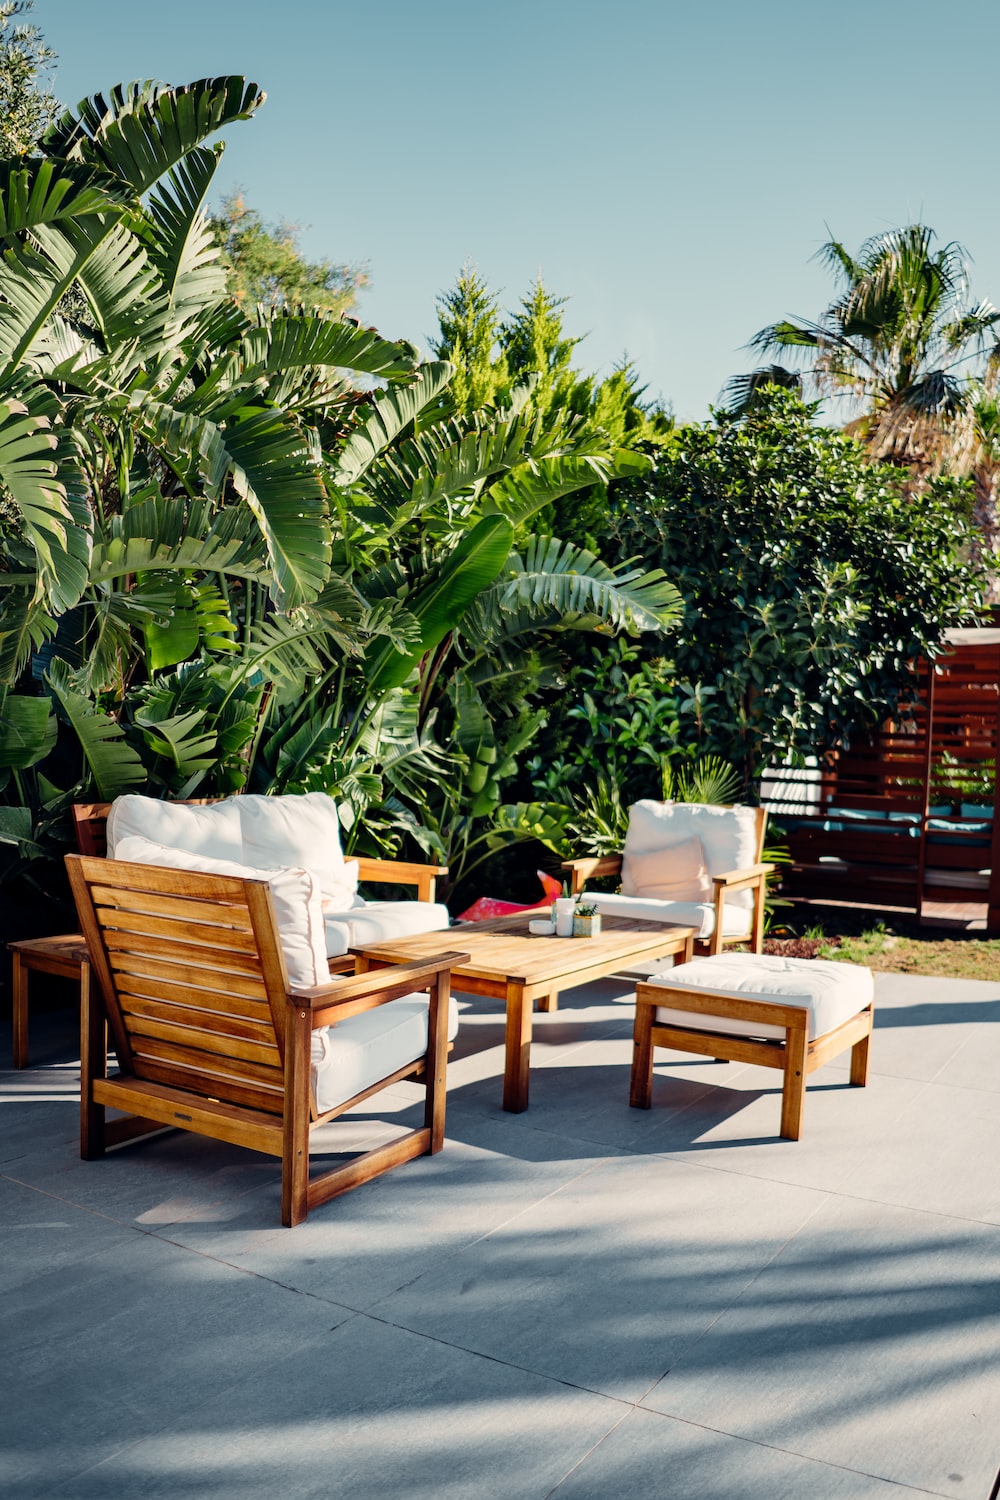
{"x": 503, "y": 949}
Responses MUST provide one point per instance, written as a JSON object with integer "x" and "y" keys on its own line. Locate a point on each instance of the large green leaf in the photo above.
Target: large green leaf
{"x": 555, "y": 575}
{"x": 144, "y": 129}
{"x": 179, "y": 238}
{"x": 265, "y": 457}
{"x": 113, "y": 764}
{"x": 45, "y": 191}
{"x": 40, "y": 468}
{"x": 440, "y": 603}
{"x": 36, "y": 275}
{"x": 390, "y": 414}
{"x": 295, "y": 341}
{"x": 27, "y": 731}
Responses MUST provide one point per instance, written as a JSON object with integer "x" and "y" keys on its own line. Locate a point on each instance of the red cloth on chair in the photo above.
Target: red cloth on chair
{"x": 490, "y": 906}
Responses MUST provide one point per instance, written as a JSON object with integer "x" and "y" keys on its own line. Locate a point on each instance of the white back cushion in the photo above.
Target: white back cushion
{"x": 728, "y": 835}
{"x": 295, "y": 892}
{"x": 298, "y": 831}
{"x": 677, "y": 872}
{"x": 213, "y": 830}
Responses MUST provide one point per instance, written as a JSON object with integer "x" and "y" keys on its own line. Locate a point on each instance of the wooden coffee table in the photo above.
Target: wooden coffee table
{"x": 507, "y": 963}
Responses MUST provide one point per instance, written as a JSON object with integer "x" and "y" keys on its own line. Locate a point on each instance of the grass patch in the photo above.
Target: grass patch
{"x": 888, "y": 953}
{"x": 895, "y": 944}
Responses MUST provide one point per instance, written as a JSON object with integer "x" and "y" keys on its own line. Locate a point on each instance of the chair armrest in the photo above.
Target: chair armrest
{"x": 734, "y": 880}
{"x": 583, "y": 870}
{"x": 355, "y": 993}
{"x": 400, "y": 872}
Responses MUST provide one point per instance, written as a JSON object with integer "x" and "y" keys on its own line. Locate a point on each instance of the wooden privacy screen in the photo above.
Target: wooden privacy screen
{"x": 910, "y": 815}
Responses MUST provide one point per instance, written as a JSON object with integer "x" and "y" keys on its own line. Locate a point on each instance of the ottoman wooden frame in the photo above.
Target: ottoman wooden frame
{"x": 794, "y": 1054}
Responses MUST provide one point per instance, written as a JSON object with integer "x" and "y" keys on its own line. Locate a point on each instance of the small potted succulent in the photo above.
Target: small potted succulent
{"x": 586, "y": 921}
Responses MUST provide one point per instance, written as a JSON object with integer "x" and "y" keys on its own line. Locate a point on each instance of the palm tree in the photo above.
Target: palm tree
{"x": 897, "y": 338}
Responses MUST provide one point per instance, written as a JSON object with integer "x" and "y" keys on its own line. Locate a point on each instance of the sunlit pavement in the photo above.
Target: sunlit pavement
{"x": 584, "y": 1301}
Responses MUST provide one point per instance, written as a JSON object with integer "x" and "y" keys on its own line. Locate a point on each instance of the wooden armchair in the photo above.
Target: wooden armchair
{"x": 190, "y": 976}
{"x": 720, "y": 926}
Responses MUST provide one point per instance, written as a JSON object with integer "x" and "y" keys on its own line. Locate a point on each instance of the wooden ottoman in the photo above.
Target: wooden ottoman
{"x": 788, "y": 1013}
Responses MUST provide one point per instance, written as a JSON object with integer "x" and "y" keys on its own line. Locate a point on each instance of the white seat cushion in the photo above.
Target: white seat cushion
{"x": 831, "y": 992}
{"x": 214, "y": 830}
{"x": 362, "y": 1050}
{"x": 279, "y": 832}
{"x": 699, "y": 915}
{"x": 298, "y": 908}
{"x": 728, "y": 836}
{"x": 381, "y": 922}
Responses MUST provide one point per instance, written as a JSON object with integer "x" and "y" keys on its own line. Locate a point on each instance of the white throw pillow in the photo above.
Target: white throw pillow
{"x": 728, "y": 835}
{"x": 279, "y": 832}
{"x": 213, "y": 830}
{"x": 677, "y": 872}
{"x": 295, "y": 892}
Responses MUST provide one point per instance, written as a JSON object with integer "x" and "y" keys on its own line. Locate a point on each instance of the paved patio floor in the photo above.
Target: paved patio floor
{"x": 584, "y": 1302}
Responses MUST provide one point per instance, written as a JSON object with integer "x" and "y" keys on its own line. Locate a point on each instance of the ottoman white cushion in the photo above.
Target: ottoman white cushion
{"x": 362, "y": 1050}
{"x": 831, "y": 992}
{"x": 697, "y": 914}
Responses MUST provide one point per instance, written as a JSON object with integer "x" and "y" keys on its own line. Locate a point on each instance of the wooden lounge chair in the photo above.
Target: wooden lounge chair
{"x": 725, "y": 904}
{"x": 209, "y": 1035}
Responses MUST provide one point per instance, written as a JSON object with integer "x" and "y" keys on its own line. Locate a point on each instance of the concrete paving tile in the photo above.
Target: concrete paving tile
{"x": 735, "y": 1128}
{"x": 940, "y": 1157}
{"x": 922, "y": 1022}
{"x": 605, "y": 1282}
{"x": 374, "y": 1412}
{"x": 871, "y": 1341}
{"x": 42, "y": 1236}
{"x": 359, "y": 1248}
{"x": 650, "y": 1457}
{"x": 133, "y": 1337}
{"x": 976, "y": 1063}
{"x": 39, "y": 1106}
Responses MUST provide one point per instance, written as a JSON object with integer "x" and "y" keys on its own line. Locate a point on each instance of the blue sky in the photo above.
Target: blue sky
{"x": 668, "y": 167}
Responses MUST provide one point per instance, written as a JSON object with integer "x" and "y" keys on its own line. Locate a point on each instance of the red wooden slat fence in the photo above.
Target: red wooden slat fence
{"x": 909, "y": 815}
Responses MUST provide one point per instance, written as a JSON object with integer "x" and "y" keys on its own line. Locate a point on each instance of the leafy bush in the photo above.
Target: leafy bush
{"x": 810, "y": 581}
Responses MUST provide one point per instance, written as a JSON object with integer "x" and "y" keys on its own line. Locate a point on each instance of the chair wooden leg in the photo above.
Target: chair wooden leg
{"x": 793, "y": 1094}
{"x": 93, "y": 1064}
{"x": 436, "y": 1077}
{"x": 19, "y": 987}
{"x": 859, "y": 1058}
{"x": 295, "y": 1156}
{"x": 641, "y": 1082}
{"x": 757, "y": 931}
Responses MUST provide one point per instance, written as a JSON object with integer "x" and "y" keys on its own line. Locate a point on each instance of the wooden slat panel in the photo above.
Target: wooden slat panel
{"x": 226, "y": 1089}
{"x": 198, "y": 976}
{"x": 188, "y": 909}
{"x": 219, "y": 1044}
{"x": 179, "y": 950}
{"x": 206, "y": 1067}
{"x": 258, "y": 1030}
{"x": 213, "y": 934}
{"x": 177, "y": 995}
{"x": 213, "y": 1000}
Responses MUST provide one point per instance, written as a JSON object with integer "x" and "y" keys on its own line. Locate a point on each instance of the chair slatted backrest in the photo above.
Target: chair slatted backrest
{"x": 90, "y": 824}
{"x": 192, "y": 975}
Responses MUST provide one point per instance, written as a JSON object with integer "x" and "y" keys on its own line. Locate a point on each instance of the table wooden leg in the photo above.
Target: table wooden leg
{"x": 549, "y": 1002}
{"x": 518, "y": 1051}
{"x": 20, "y": 997}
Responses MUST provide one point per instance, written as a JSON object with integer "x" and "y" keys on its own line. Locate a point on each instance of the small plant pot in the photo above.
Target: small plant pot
{"x": 587, "y": 926}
